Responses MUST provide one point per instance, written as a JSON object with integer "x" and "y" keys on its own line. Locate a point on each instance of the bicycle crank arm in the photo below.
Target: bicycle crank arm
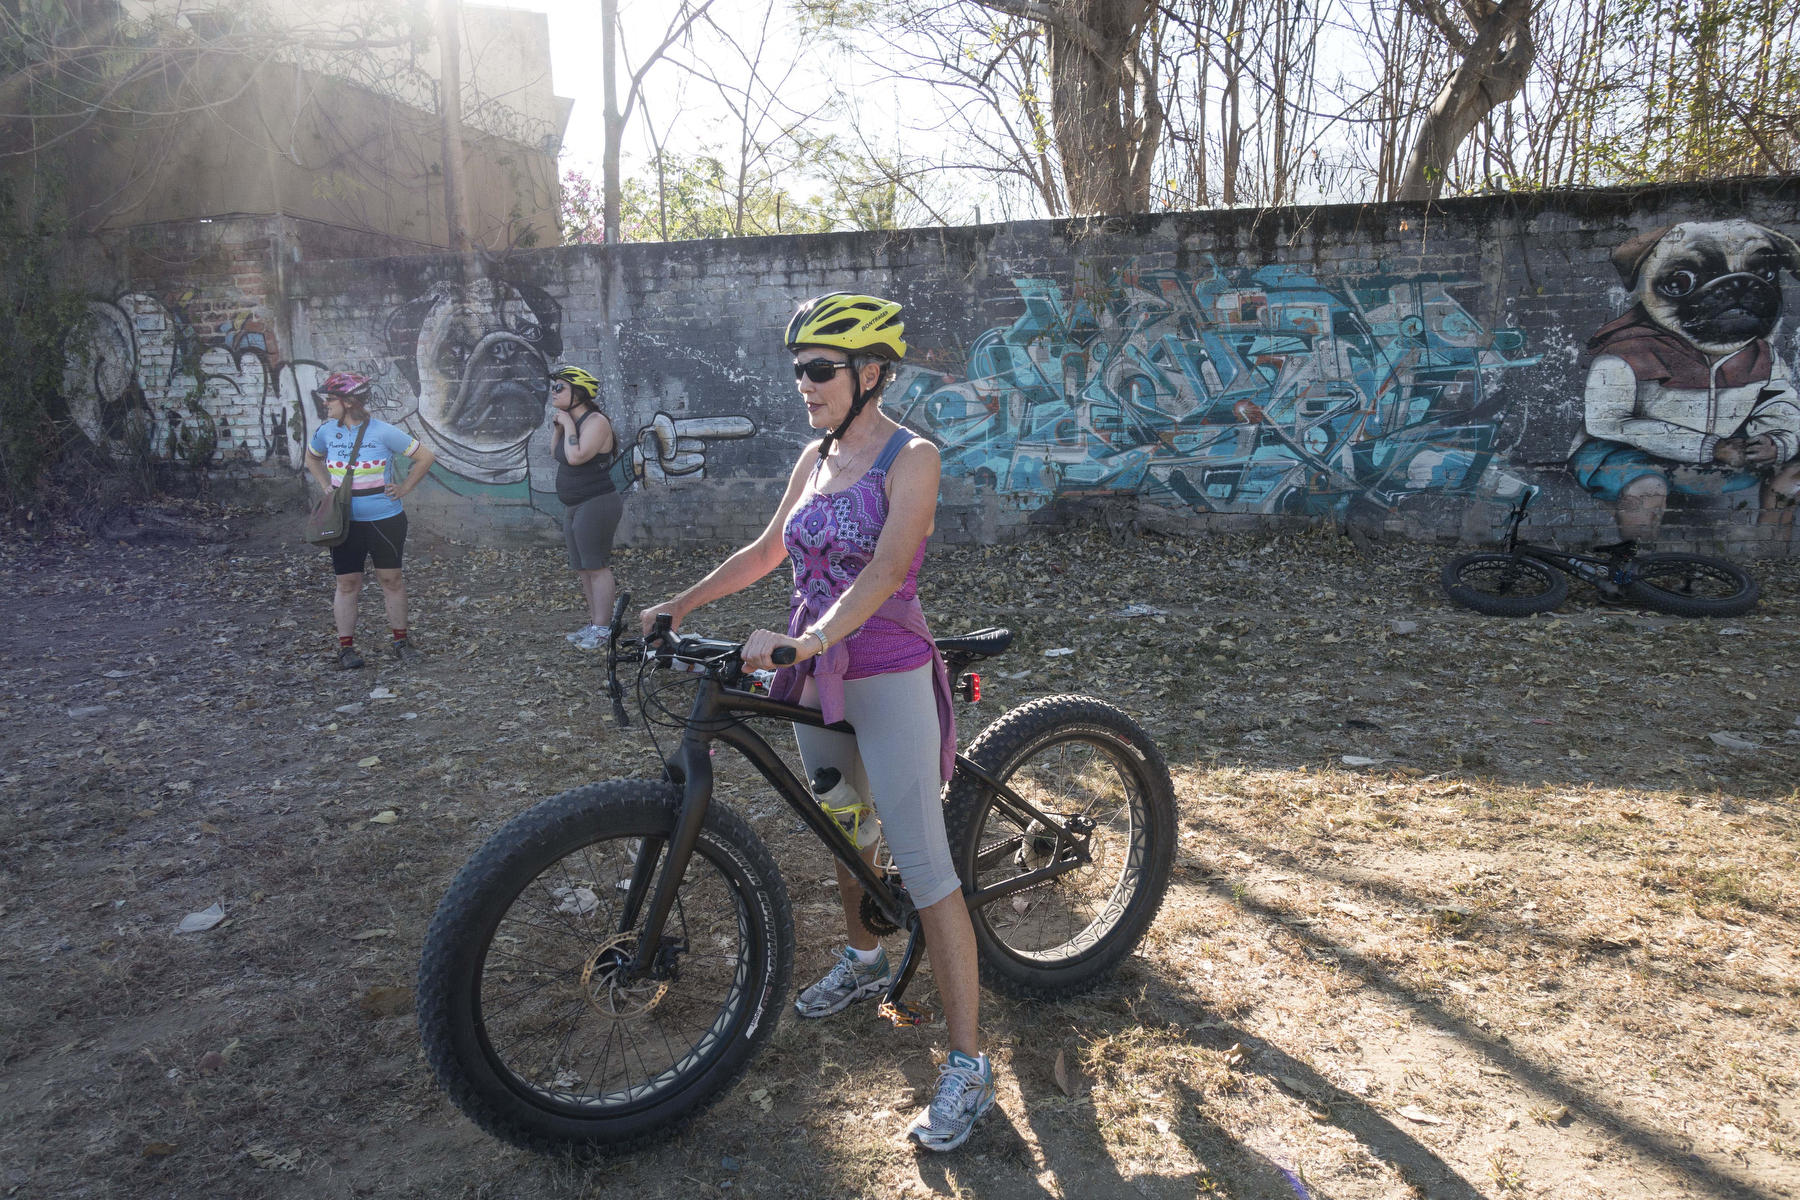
{"x": 892, "y": 1007}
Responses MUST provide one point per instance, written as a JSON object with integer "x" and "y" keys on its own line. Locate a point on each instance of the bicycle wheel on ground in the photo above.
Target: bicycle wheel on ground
{"x": 1068, "y": 756}
{"x": 525, "y": 1017}
{"x": 1504, "y": 585}
{"x": 1692, "y": 585}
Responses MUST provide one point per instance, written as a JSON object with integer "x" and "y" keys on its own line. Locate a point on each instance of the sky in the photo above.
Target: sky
{"x": 672, "y": 98}
{"x": 687, "y": 110}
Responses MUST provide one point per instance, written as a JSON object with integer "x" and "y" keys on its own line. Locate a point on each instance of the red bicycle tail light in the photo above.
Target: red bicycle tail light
{"x": 968, "y": 687}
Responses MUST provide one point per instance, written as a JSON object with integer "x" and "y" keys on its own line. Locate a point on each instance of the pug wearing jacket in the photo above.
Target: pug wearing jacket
{"x": 1685, "y": 393}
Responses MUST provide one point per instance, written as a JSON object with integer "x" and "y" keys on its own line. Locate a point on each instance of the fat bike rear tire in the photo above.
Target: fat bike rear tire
{"x": 1692, "y": 585}
{"x": 1068, "y": 756}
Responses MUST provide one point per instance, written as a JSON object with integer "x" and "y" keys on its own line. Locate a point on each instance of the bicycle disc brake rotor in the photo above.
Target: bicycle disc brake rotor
{"x": 603, "y": 990}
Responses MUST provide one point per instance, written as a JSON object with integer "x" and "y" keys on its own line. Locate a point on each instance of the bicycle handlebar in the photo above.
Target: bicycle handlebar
{"x": 723, "y": 660}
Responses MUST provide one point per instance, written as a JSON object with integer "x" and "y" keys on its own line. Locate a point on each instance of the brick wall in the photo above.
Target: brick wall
{"x": 1399, "y": 368}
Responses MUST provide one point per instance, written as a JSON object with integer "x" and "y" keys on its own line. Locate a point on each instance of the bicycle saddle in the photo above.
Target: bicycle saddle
{"x": 983, "y": 643}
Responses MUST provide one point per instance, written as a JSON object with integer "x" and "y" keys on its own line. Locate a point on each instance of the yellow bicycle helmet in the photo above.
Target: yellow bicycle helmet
{"x": 849, "y": 322}
{"x": 577, "y": 378}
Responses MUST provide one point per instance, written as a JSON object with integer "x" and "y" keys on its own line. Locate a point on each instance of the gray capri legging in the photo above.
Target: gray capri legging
{"x": 893, "y": 763}
{"x": 588, "y": 530}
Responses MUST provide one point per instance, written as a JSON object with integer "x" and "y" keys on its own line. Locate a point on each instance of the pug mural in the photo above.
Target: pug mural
{"x": 477, "y": 356}
{"x": 1685, "y": 393}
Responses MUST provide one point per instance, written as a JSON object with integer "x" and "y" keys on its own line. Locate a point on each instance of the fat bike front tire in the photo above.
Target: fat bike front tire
{"x": 1504, "y": 585}
{"x": 526, "y": 1019}
{"x": 1069, "y": 756}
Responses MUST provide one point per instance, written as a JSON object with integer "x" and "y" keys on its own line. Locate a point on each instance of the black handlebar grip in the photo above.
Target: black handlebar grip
{"x": 783, "y": 656}
{"x": 619, "y": 607}
{"x": 661, "y": 628}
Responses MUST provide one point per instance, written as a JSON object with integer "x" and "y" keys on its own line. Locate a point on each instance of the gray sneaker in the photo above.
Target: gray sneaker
{"x": 847, "y": 982}
{"x": 585, "y": 632}
{"x": 965, "y": 1090}
{"x": 405, "y": 651}
{"x": 592, "y": 637}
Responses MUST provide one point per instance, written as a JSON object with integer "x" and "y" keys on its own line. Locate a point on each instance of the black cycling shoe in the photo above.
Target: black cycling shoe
{"x": 349, "y": 659}
{"x": 405, "y": 651}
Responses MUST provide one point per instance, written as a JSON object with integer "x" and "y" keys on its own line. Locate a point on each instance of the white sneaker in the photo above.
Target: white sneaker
{"x": 584, "y": 631}
{"x": 592, "y": 637}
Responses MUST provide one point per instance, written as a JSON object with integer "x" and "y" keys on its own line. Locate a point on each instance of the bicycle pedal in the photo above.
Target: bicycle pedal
{"x": 903, "y": 1014}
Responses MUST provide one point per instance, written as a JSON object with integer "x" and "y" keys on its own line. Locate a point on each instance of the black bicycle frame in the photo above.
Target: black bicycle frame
{"x": 716, "y": 716}
{"x": 1608, "y": 569}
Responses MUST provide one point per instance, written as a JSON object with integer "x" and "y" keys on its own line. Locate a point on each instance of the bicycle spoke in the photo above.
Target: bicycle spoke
{"x": 1063, "y": 915}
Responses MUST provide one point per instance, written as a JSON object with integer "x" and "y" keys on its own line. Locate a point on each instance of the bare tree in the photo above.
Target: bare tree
{"x": 1070, "y": 91}
{"x": 1105, "y": 106}
{"x": 618, "y": 113}
{"x": 1495, "y": 51}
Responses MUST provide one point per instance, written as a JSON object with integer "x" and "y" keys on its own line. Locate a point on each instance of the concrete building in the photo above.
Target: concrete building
{"x": 322, "y": 112}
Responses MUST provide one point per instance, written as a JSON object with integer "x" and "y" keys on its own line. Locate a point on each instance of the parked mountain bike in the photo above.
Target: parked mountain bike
{"x": 609, "y": 963}
{"x": 1527, "y": 578}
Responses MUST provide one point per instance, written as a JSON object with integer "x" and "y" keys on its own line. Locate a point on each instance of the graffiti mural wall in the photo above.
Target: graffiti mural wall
{"x": 145, "y": 377}
{"x": 463, "y": 368}
{"x": 1628, "y": 354}
{"x": 1260, "y": 391}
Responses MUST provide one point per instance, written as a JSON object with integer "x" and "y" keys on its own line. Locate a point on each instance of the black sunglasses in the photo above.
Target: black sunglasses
{"x": 819, "y": 370}
{"x": 559, "y": 385}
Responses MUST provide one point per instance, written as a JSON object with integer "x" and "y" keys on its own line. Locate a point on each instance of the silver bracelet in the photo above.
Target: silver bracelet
{"x": 818, "y": 631}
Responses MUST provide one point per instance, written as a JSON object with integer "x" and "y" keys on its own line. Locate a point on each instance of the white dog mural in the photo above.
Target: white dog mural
{"x": 477, "y": 357}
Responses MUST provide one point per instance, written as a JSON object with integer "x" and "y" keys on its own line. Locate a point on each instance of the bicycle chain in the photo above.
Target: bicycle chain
{"x": 1040, "y": 884}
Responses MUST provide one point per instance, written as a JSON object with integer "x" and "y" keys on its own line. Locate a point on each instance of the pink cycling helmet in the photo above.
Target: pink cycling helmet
{"x": 346, "y": 383}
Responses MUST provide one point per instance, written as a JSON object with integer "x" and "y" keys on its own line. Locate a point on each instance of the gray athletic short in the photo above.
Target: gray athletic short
{"x": 588, "y": 530}
{"x": 893, "y": 763}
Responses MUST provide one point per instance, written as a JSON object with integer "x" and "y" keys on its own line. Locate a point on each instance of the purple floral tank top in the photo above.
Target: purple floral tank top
{"x": 830, "y": 538}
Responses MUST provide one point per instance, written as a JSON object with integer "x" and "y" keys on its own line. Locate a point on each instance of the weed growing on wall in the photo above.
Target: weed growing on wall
{"x": 37, "y": 309}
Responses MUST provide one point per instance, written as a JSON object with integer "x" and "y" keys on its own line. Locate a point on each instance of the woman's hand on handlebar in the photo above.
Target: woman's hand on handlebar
{"x": 761, "y": 645}
{"x": 647, "y": 617}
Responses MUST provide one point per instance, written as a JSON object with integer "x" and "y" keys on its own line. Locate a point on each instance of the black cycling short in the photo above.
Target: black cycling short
{"x": 381, "y": 540}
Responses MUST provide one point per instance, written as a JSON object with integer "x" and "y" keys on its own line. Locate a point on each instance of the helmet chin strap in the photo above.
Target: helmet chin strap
{"x": 858, "y": 398}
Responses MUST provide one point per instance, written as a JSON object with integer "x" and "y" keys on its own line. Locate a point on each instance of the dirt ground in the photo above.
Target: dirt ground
{"x": 1536, "y": 937}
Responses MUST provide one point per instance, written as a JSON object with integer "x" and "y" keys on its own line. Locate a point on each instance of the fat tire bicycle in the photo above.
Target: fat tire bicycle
{"x": 1527, "y": 578}
{"x": 609, "y": 963}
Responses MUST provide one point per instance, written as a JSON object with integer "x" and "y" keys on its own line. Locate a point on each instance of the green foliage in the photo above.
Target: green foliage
{"x": 681, "y": 197}
{"x": 37, "y": 308}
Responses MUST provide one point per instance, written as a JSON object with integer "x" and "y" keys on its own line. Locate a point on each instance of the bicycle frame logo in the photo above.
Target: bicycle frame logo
{"x": 1232, "y": 391}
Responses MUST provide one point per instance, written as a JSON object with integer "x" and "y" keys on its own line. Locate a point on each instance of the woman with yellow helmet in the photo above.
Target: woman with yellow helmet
{"x": 859, "y": 504}
{"x": 584, "y": 443}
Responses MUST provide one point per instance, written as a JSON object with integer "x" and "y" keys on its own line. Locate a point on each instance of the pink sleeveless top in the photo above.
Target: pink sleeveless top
{"x": 831, "y": 538}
